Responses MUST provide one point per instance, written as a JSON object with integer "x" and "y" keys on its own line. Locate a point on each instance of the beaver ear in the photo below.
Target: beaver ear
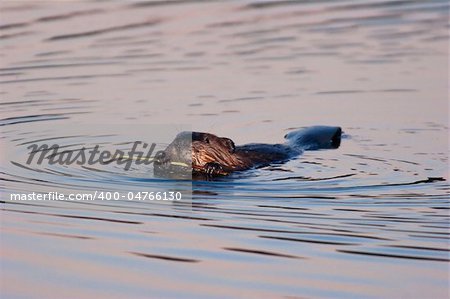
{"x": 230, "y": 144}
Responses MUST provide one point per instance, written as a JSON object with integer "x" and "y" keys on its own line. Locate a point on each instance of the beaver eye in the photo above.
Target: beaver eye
{"x": 207, "y": 140}
{"x": 230, "y": 144}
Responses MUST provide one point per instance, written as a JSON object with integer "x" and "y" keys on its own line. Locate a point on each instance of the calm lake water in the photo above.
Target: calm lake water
{"x": 367, "y": 220}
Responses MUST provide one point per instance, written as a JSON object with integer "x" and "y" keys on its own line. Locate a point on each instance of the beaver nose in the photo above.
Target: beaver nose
{"x": 161, "y": 158}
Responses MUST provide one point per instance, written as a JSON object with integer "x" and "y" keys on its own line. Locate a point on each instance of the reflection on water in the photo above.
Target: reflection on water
{"x": 369, "y": 219}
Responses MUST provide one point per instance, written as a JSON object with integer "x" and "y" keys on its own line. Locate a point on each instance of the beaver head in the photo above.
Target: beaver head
{"x": 194, "y": 151}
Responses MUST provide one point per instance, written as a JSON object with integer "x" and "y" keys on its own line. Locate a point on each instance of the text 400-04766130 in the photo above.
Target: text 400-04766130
{"x": 170, "y": 195}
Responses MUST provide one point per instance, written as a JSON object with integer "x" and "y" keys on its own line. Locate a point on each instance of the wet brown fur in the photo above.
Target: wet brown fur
{"x": 208, "y": 148}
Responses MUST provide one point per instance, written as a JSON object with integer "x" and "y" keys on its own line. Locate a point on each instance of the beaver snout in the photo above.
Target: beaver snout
{"x": 161, "y": 163}
{"x": 165, "y": 164}
{"x": 161, "y": 159}
{"x": 177, "y": 157}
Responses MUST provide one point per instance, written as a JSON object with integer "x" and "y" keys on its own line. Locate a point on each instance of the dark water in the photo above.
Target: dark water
{"x": 368, "y": 220}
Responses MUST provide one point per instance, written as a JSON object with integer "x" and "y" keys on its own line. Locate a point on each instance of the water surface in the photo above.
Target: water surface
{"x": 368, "y": 220}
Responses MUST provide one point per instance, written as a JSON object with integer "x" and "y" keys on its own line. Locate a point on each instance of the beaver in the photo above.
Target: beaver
{"x": 210, "y": 155}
